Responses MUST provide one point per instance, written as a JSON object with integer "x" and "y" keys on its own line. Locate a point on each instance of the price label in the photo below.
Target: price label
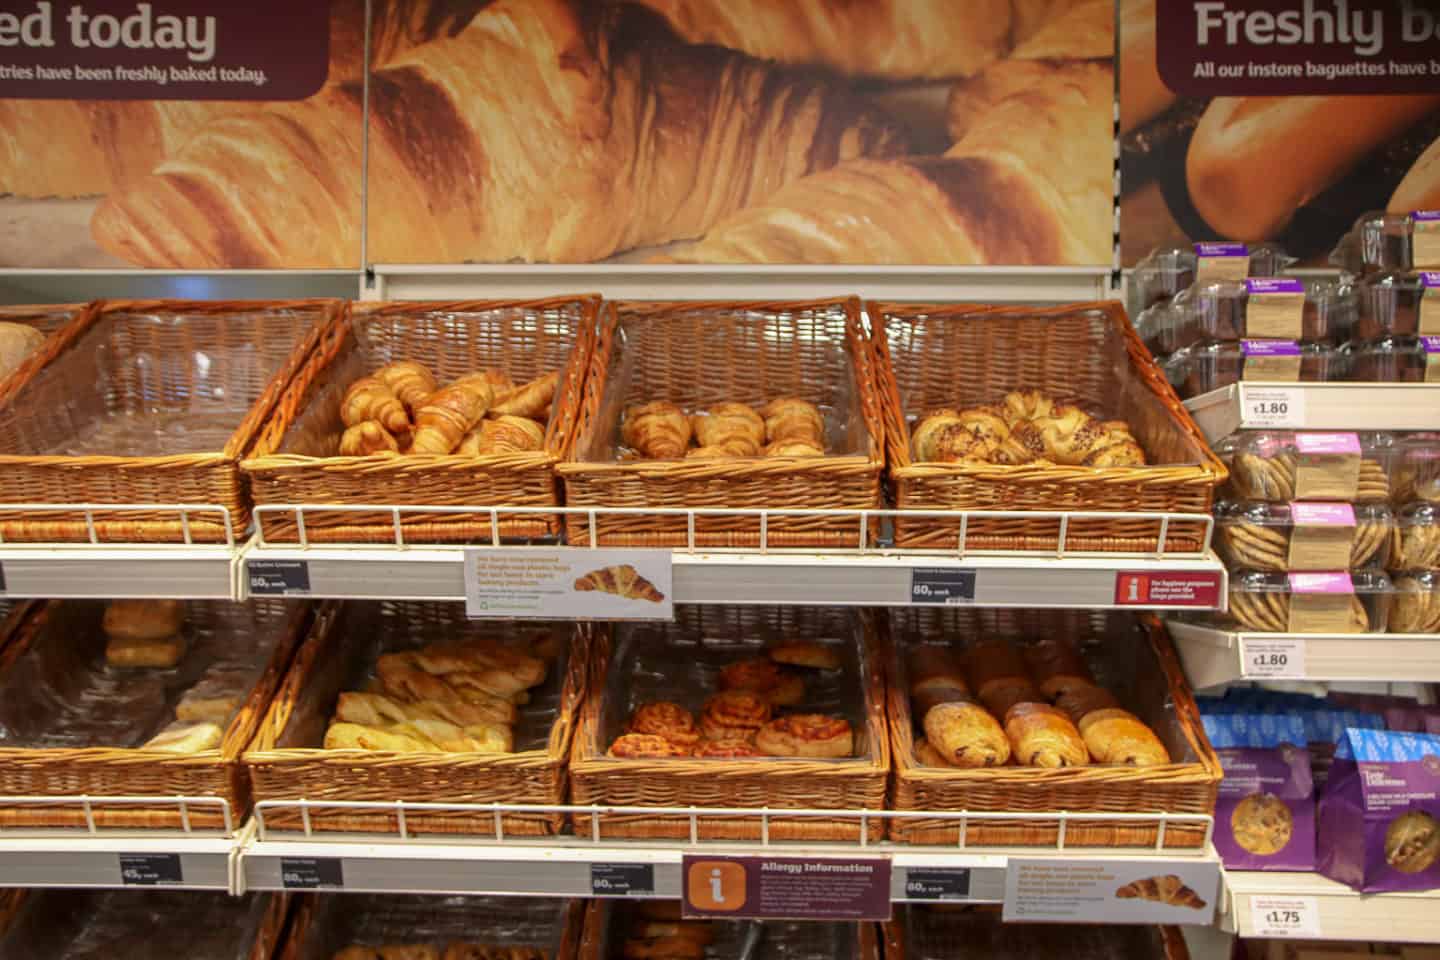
{"x": 278, "y": 578}
{"x": 942, "y": 585}
{"x": 1272, "y": 407}
{"x": 311, "y": 873}
{"x": 1267, "y": 659}
{"x": 150, "y": 869}
{"x": 1285, "y": 917}
{"x": 622, "y": 879}
{"x": 938, "y": 884}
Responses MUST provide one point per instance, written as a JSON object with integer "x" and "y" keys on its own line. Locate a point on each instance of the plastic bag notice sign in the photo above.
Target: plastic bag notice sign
{"x": 568, "y": 583}
{"x": 1050, "y": 890}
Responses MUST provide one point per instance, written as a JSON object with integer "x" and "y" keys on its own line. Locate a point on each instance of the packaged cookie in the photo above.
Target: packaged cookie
{"x": 1417, "y": 544}
{"x": 1304, "y": 535}
{"x": 1336, "y": 602}
{"x": 1416, "y": 471}
{"x": 1416, "y": 607}
{"x": 1265, "y": 807}
{"x": 1284, "y": 465}
{"x": 1166, "y": 271}
{"x": 1379, "y": 826}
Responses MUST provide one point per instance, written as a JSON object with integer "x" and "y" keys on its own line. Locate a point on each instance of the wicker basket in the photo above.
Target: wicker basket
{"x": 1133, "y": 659}
{"x": 287, "y": 762}
{"x": 98, "y": 772}
{"x": 193, "y": 381}
{"x": 853, "y": 784}
{"x": 932, "y": 932}
{"x": 606, "y": 921}
{"x": 325, "y": 924}
{"x": 699, "y": 354}
{"x": 1088, "y": 354}
{"x": 49, "y": 319}
{"x": 295, "y": 461}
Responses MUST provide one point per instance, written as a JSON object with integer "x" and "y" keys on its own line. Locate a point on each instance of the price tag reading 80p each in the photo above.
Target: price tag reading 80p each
{"x": 1284, "y": 917}
{"x": 1272, "y": 407}
{"x": 1272, "y": 658}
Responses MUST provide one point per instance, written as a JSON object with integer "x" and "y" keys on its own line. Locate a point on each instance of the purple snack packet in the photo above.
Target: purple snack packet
{"x": 1265, "y": 806}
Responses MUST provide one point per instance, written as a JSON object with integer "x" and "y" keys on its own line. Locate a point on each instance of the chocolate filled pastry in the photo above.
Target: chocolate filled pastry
{"x": 1262, "y": 824}
{"x": 806, "y": 735}
{"x": 1057, "y": 668}
{"x": 804, "y": 653}
{"x": 734, "y": 713}
{"x": 1412, "y": 842}
{"x": 935, "y": 678}
{"x": 142, "y": 619}
{"x": 990, "y": 662}
{"x": 1042, "y": 736}
{"x": 966, "y": 735}
{"x": 765, "y": 677}
{"x": 1081, "y": 701}
{"x": 1003, "y": 693}
{"x": 668, "y": 720}
{"x": 1118, "y": 736}
{"x": 645, "y": 746}
{"x": 927, "y": 756}
{"x": 161, "y": 653}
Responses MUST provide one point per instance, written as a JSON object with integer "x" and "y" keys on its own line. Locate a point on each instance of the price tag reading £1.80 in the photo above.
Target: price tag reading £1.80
{"x": 1285, "y": 917}
{"x": 1279, "y": 659}
{"x": 1272, "y": 407}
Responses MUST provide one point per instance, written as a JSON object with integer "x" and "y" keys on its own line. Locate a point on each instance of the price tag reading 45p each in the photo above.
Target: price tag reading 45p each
{"x": 1277, "y": 659}
{"x": 1272, "y": 407}
{"x": 1282, "y": 917}
{"x": 942, "y": 585}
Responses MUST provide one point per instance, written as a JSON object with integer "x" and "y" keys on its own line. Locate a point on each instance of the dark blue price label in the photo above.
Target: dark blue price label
{"x": 278, "y": 578}
{"x": 150, "y": 869}
{"x": 621, "y": 879}
{"x": 942, "y": 585}
{"x": 311, "y": 873}
{"x": 938, "y": 884}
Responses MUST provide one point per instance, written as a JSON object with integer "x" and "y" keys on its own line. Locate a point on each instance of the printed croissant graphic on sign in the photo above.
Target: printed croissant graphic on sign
{"x": 1167, "y": 890}
{"x": 623, "y": 581}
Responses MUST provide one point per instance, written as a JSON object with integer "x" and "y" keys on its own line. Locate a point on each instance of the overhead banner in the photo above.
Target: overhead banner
{"x": 1274, "y": 120}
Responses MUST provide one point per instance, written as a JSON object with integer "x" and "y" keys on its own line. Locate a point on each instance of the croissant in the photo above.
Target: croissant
{"x": 1040, "y": 161}
{"x": 790, "y": 418}
{"x": 633, "y": 124}
{"x": 449, "y": 414}
{"x": 623, "y": 581}
{"x": 727, "y": 422}
{"x": 792, "y": 448}
{"x": 71, "y": 148}
{"x": 400, "y": 739}
{"x": 412, "y": 382}
{"x": 1063, "y": 30}
{"x": 366, "y": 438}
{"x": 504, "y": 434}
{"x": 658, "y": 430}
{"x": 733, "y": 447}
{"x": 376, "y": 709}
{"x": 369, "y": 398}
{"x": 1168, "y": 889}
{"x": 530, "y": 400}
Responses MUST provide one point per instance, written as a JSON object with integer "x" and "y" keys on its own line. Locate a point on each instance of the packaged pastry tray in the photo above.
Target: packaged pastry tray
{"x": 503, "y": 928}
{"x": 680, "y": 662}
{"x": 1129, "y": 656}
{"x": 1305, "y": 535}
{"x": 965, "y": 356}
{"x": 1397, "y": 305}
{"x": 72, "y": 725}
{"x": 1389, "y": 360}
{"x": 696, "y": 355}
{"x": 1167, "y": 271}
{"x": 1335, "y": 602}
{"x": 1203, "y": 367}
{"x": 1266, "y": 308}
{"x": 614, "y": 930}
{"x": 296, "y": 459}
{"x": 141, "y": 925}
{"x": 932, "y": 932}
{"x": 288, "y": 762}
{"x": 1384, "y": 241}
{"x": 148, "y": 402}
{"x": 1279, "y": 466}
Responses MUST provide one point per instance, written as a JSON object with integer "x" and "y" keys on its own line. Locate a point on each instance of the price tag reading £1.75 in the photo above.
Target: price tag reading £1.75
{"x": 1285, "y": 917}
{"x": 1278, "y": 659}
{"x": 1272, "y": 407}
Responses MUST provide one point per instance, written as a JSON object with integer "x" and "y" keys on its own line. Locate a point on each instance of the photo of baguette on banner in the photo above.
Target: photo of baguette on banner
{"x": 1260, "y": 121}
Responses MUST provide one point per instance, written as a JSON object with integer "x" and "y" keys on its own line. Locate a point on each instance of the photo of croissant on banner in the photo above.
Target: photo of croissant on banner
{"x": 1275, "y": 120}
{"x": 576, "y": 131}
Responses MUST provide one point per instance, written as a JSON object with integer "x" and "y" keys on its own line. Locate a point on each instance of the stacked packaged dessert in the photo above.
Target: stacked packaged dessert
{"x": 1415, "y": 549}
{"x": 1396, "y": 260}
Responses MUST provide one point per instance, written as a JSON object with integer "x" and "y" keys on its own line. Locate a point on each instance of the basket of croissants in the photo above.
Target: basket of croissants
{"x": 1039, "y": 712}
{"x": 410, "y": 700}
{"x": 735, "y": 707}
{"x": 1036, "y": 409}
{"x": 727, "y": 406}
{"x": 428, "y": 404}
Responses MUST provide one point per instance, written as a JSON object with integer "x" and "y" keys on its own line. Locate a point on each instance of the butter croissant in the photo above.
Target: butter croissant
{"x": 449, "y": 414}
{"x": 530, "y": 399}
{"x": 412, "y": 382}
{"x": 623, "y": 581}
{"x": 658, "y": 430}
{"x": 366, "y": 438}
{"x": 727, "y": 430}
{"x": 504, "y": 434}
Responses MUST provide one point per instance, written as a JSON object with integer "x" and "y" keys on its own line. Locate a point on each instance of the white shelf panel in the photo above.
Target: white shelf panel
{"x": 1342, "y": 914}
{"x": 1317, "y": 406}
{"x": 107, "y": 572}
{"x": 113, "y": 860}
{"x": 1214, "y": 656}
{"x": 839, "y": 579}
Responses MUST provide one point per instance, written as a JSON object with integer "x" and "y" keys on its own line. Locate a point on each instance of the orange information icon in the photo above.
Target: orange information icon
{"x": 716, "y": 885}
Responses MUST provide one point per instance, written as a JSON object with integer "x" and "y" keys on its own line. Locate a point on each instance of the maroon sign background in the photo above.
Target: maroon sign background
{"x": 164, "y": 50}
{"x": 785, "y": 888}
{"x": 1212, "y": 48}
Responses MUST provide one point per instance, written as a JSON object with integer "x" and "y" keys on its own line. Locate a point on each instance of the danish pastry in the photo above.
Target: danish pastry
{"x": 637, "y": 746}
{"x": 777, "y": 685}
{"x": 734, "y": 713}
{"x": 966, "y": 735}
{"x": 668, "y": 720}
{"x": 1042, "y": 736}
{"x": 1027, "y": 427}
{"x": 142, "y": 619}
{"x": 805, "y": 653}
{"x": 806, "y": 735}
{"x": 732, "y": 747}
{"x": 1118, "y": 736}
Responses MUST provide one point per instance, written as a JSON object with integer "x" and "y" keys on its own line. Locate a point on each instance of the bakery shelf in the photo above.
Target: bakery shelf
{"x": 863, "y": 576}
{"x": 1214, "y": 656}
{"x": 1316, "y": 406}
{"x": 1336, "y": 911}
